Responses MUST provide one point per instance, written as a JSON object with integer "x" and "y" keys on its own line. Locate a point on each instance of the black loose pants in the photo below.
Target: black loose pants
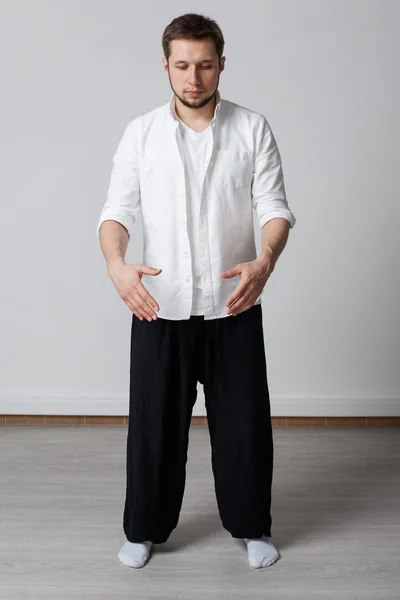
{"x": 168, "y": 358}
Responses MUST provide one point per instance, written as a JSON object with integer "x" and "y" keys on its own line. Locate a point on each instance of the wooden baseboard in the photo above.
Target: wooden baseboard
{"x": 201, "y": 421}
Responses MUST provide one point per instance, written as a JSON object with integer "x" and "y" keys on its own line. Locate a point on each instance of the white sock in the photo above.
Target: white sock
{"x": 134, "y": 555}
{"x": 262, "y": 552}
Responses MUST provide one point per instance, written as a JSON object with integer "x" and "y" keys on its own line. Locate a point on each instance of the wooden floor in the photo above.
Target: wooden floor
{"x": 335, "y": 511}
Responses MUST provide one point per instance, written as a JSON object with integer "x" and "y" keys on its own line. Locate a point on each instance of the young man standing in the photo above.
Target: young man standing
{"x": 196, "y": 167}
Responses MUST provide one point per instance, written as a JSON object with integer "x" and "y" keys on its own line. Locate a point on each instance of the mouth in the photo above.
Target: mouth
{"x": 194, "y": 93}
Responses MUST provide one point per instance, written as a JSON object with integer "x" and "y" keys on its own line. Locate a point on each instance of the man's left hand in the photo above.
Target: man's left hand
{"x": 254, "y": 275}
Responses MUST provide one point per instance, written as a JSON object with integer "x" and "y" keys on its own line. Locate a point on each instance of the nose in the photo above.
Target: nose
{"x": 194, "y": 77}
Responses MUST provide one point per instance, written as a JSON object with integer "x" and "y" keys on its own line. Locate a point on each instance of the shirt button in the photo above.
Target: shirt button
{"x": 184, "y": 221}
{"x": 186, "y": 252}
{"x": 187, "y": 279}
{"x": 182, "y": 195}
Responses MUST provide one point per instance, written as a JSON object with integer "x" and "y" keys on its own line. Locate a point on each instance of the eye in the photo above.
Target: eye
{"x": 182, "y": 68}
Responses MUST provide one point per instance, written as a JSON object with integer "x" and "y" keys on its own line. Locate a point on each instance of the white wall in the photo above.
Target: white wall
{"x": 324, "y": 73}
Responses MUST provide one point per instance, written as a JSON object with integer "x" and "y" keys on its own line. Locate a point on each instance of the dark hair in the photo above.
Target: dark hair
{"x": 192, "y": 26}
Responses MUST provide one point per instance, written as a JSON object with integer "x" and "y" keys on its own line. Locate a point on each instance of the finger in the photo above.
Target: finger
{"x": 144, "y": 308}
{"x": 133, "y": 309}
{"x": 231, "y": 304}
{"x": 237, "y": 293}
{"x": 238, "y": 306}
{"x": 139, "y": 310}
{"x": 146, "y": 296}
{"x": 235, "y": 314}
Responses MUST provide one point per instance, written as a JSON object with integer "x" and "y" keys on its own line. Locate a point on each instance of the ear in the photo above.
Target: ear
{"x": 165, "y": 63}
{"x": 222, "y": 64}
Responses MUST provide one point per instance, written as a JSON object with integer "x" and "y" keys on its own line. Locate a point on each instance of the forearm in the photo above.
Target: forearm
{"x": 274, "y": 236}
{"x": 114, "y": 240}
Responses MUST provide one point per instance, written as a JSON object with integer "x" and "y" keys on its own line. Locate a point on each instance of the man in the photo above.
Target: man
{"x": 196, "y": 168}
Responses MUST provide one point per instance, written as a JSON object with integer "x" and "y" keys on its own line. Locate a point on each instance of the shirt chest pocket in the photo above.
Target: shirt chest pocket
{"x": 232, "y": 168}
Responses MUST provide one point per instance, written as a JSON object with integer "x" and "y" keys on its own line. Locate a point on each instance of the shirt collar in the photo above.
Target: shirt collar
{"x": 172, "y": 111}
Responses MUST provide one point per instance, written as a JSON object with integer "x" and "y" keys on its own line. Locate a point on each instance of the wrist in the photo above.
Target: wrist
{"x": 115, "y": 262}
{"x": 266, "y": 258}
{"x": 266, "y": 254}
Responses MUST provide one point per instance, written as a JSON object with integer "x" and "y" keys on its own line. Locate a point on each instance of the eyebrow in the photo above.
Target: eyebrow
{"x": 200, "y": 61}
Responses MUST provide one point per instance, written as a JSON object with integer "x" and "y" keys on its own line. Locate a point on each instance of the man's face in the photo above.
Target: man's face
{"x": 194, "y": 66}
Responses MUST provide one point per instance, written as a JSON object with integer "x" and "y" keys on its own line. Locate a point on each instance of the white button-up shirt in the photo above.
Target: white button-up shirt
{"x": 244, "y": 172}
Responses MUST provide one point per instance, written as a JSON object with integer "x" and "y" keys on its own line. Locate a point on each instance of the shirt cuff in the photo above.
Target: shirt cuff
{"x": 288, "y": 215}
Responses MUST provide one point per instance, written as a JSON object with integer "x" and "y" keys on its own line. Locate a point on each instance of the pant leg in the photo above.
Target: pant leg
{"x": 239, "y": 420}
{"x": 163, "y": 390}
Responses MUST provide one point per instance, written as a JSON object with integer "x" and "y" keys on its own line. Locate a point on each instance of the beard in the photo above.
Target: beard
{"x": 194, "y": 102}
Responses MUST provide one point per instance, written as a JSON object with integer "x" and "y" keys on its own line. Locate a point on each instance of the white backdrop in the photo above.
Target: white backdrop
{"x": 74, "y": 73}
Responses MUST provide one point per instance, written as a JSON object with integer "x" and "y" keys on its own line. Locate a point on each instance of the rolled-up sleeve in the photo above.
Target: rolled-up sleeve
{"x": 123, "y": 196}
{"x": 268, "y": 187}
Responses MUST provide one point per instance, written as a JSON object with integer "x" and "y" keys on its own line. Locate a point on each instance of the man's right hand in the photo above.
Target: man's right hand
{"x": 127, "y": 280}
